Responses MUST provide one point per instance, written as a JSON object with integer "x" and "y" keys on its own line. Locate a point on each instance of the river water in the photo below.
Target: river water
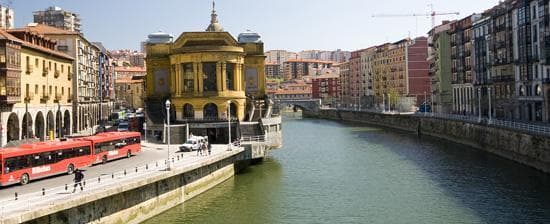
{"x": 330, "y": 172}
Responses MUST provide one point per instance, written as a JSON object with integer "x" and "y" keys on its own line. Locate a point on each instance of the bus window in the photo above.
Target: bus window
{"x": 37, "y": 160}
{"x": 16, "y": 163}
{"x": 59, "y": 156}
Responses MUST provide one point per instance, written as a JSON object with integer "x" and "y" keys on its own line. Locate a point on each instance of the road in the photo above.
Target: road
{"x": 150, "y": 153}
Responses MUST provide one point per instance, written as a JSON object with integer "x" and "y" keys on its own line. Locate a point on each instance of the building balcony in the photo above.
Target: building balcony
{"x": 56, "y": 74}
{"x": 58, "y": 96}
{"x": 29, "y": 97}
{"x": 45, "y": 96}
{"x": 10, "y": 99}
{"x": 546, "y": 80}
{"x": 29, "y": 70}
{"x": 44, "y": 72}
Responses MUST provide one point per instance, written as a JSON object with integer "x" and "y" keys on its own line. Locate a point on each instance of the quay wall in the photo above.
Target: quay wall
{"x": 140, "y": 199}
{"x": 529, "y": 149}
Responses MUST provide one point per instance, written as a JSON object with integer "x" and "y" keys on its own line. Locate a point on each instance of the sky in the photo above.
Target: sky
{"x": 283, "y": 24}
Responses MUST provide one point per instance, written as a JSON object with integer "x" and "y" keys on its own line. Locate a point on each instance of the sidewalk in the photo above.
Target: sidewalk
{"x": 104, "y": 184}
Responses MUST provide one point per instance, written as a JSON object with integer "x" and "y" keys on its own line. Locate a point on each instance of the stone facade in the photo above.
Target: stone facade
{"x": 526, "y": 148}
{"x": 43, "y": 110}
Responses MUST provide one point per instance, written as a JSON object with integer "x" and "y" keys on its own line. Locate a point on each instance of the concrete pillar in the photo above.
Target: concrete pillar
{"x": 223, "y": 76}
{"x": 201, "y": 78}
{"x": 177, "y": 79}
{"x": 219, "y": 81}
{"x": 243, "y": 77}
{"x": 196, "y": 77}
{"x": 172, "y": 84}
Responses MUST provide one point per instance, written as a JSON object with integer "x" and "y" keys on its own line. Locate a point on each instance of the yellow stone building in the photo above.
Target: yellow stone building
{"x": 200, "y": 72}
{"x": 44, "y": 107}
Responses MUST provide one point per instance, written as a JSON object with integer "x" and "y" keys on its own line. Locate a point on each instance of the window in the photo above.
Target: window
{"x": 36, "y": 89}
{"x": 210, "y": 80}
{"x": 188, "y": 79}
{"x": 29, "y": 67}
{"x": 36, "y": 62}
{"x": 230, "y": 76}
{"x": 115, "y": 144}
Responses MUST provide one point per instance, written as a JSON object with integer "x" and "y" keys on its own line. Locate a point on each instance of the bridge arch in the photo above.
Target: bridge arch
{"x": 312, "y": 105}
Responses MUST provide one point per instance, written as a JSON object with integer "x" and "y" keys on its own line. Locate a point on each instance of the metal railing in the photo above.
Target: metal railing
{"x": 258, "y": 138}
{"x": 57, "y": 195}
{"x": 539, "y": 129}
{"x": 520, "y": 126}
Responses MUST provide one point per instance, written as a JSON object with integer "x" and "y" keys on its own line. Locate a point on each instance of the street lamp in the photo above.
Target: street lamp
{"x": 229, "y": 124}
{"x": 145, "y": 131}
{"x": 60, "y": 126}
{"x": 425, "y": 104}
{"x": 489, "y": 95}
{"x": 383, "y": 102}
{"x": 479, "y": 104}
{"x": 168, "y": 132}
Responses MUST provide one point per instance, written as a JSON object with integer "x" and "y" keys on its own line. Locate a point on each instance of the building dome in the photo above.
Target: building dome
{"x": 159, "y": 38}
{"x": 214, "y": 26}
{"x": 249, "y": 37}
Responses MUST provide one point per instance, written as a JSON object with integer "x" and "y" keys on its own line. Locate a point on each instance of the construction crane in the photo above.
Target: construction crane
{"x": 432, "y": 14}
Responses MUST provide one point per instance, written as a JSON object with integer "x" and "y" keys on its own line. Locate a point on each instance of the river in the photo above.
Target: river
{"x": 330, "y": 172}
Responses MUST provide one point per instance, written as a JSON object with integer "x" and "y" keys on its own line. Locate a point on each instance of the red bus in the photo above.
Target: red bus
{"x": 113, "y": 145}
{"x": 42, "y": 159}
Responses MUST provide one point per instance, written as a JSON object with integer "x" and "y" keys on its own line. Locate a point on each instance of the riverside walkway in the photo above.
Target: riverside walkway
{"x": 49, "y": 192}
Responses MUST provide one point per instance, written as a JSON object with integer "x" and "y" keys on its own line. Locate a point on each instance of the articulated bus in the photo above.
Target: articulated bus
{"x": 42, "y": 159}
{"x": 114, "y": 145}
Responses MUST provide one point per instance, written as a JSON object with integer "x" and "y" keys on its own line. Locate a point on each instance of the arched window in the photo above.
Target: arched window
{"x": 522, "y": 90}
{"x": 233, "y": 109}
{"x": 210, "y": 111}
{"x": 188, "y": 111}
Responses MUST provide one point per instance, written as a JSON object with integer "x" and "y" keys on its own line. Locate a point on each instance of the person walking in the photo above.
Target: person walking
{"x": 78, "y": 177}
{"x": 203, "y": 148}
{"x": 209, "y": 148}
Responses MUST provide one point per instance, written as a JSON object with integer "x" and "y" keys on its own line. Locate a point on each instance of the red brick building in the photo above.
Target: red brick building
{"x": 327, "y": 88}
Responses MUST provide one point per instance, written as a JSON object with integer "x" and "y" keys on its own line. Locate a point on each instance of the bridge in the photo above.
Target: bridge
{"x": 309, "y": 105}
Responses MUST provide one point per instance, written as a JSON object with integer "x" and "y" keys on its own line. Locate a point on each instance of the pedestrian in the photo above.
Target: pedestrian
{"x": 209, "y": 148}
{"x": 203, "y": 148}
{"x": 78, "y": 177}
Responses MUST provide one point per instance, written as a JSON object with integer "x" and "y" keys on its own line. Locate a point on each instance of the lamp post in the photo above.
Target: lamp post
{"x": 432, "y": 104}
{"x": 479, "y": 104}
{"x": 60, "y": 127}
{"x": 425, "y": 104}
{"x": 383, "y": 102}
{"x": 145, "y": 131}
{"x": 168, "y": 133}
{"x": 229, "y": 125}
{"x": 489, "y": 95}
{"x": 389, "y": 103}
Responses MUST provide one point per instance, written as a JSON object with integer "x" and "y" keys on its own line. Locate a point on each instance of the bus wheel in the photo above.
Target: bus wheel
{"x": 24, "y": 179}
{"x": 70, "y": 169}
{"x": 104, "y": 159}
{"x": 128, "y": 154}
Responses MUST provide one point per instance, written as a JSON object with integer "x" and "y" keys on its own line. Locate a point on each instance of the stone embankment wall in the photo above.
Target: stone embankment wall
{"x": 529, "y": 149}
{"x": 141, "y": 199}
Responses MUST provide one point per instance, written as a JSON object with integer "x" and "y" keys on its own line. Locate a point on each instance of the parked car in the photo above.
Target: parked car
{"x": 192, "y": 144}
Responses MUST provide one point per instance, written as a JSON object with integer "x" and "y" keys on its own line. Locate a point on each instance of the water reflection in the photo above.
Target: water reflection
{"x": 330, "y": 172}
{"x": 241, "y": 199}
